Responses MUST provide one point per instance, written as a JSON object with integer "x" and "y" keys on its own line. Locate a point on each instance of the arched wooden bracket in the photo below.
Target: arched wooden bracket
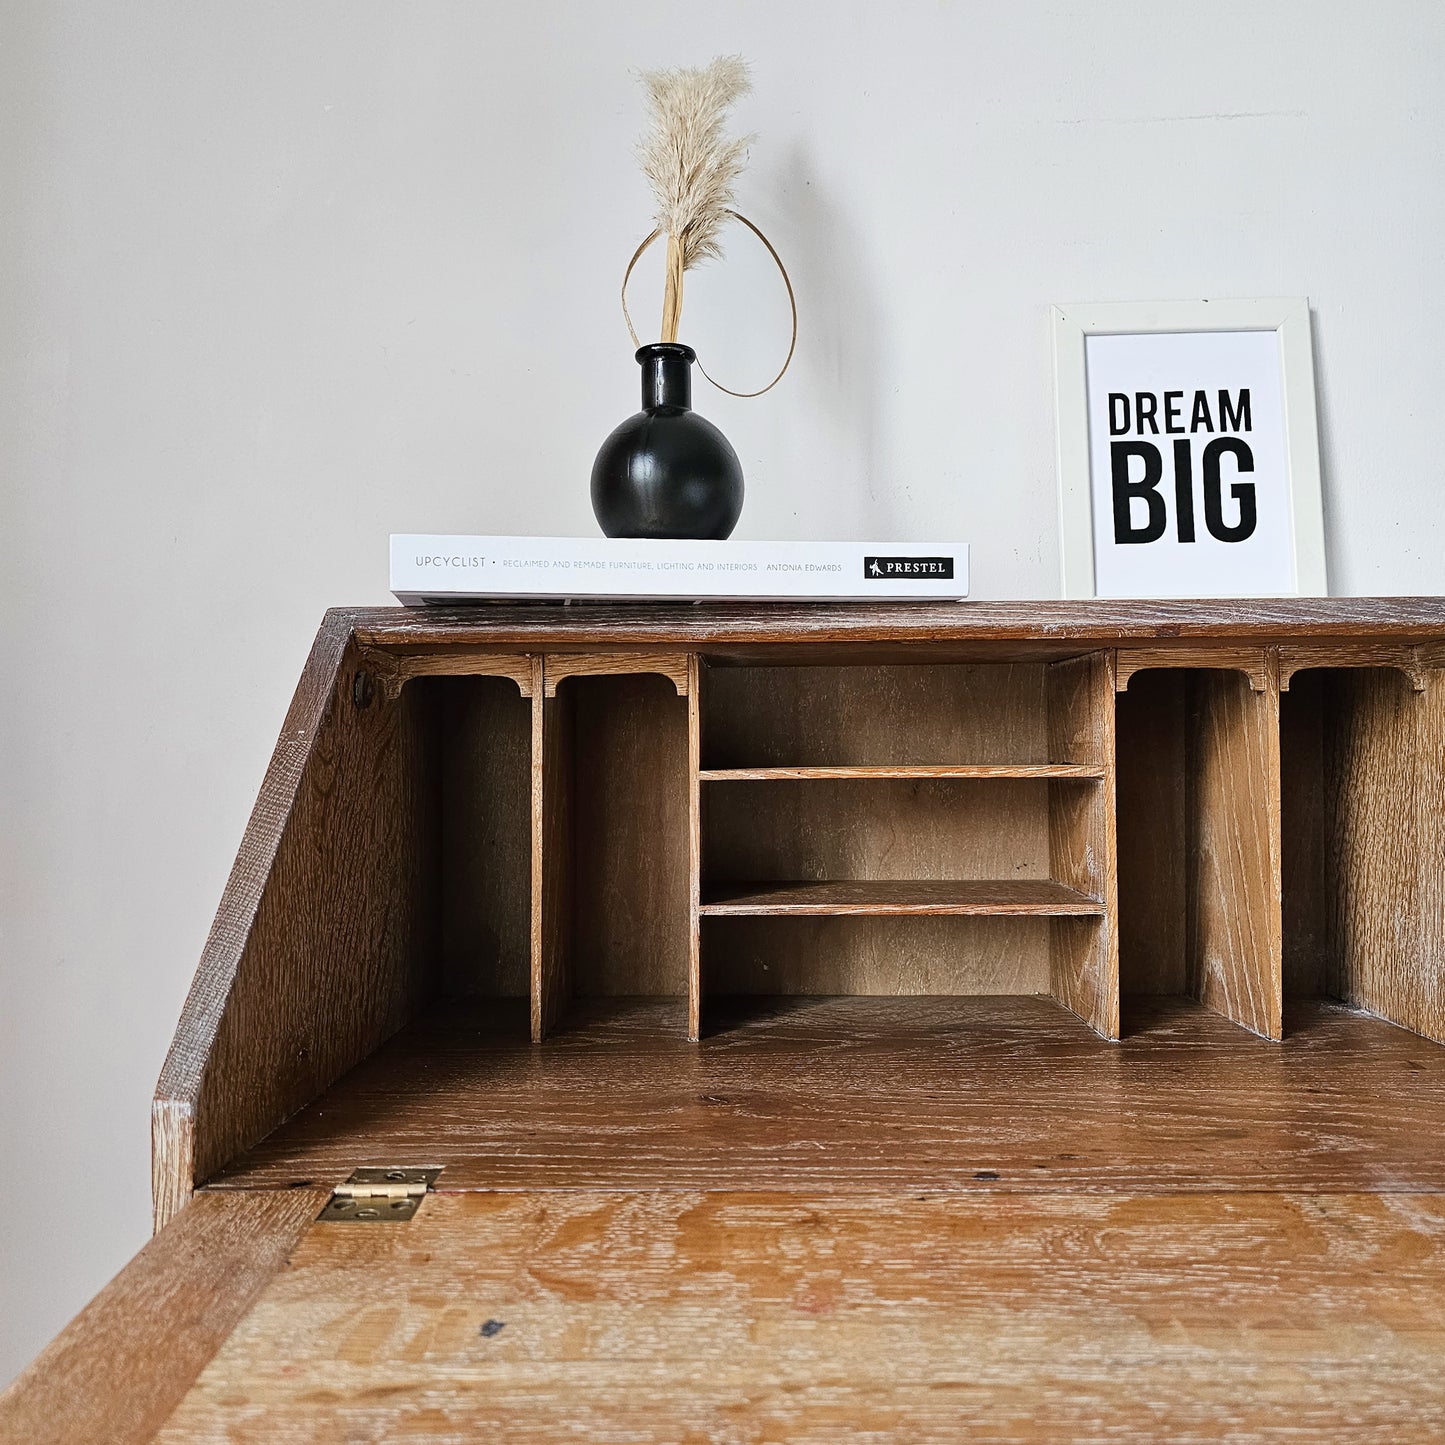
{"x": 393, "y": 670}
{"x": 1416, "y": 662}
{"x": 1256, "y": 663}
{"x": 671, "y": 665}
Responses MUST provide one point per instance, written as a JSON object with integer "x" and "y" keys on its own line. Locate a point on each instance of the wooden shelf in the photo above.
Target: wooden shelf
{"x": 1040, "y": 897}
{"x": 1085, "y": 772}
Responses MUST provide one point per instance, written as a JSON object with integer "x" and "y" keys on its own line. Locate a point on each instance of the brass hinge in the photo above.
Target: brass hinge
{"x": 379, "y": 1195}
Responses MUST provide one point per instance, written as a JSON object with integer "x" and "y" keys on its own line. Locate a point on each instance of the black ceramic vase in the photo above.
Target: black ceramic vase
{"x": 667, "y": 472}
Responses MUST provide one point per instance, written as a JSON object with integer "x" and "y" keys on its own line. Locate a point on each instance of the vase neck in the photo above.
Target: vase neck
{"x": 666, "y": 375}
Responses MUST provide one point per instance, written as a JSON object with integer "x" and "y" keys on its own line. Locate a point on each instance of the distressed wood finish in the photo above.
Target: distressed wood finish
{"x": 1233, "y": 797}
{"x": 123, "y": 1364}
{"x": 552, "y": 892}
{"x": 1311, "y": 958}
{"x": 694, "y": 848}
{"x": 1414, "y": 661}
{"x": 395, "y": 669}
{"x": 764, "y": 1317}
{"x": 908, "y": 1094}
{"x": 1201, "y": 873}
{"x": 673, "y": 666}
{"x": 1256, "y": 663}
{"x": 840, "y": 777}
{"x": 1084, "y": 953}
{"x": 1017, "y": 897}
{"x": 722, "y": 626}
{"x": 631, "y": 921}
{"x": 991, "y": 771}
{"x": 845, "y": 717}
{"x": 374, "y": 871}
{"x": 1385, "y": 844}
{"x": 325, "y": 940}
{"x": 917, "y": 807}
{"x": 850, "y": 829}
{"x": 482, "y": 728}
{"x": 1154, "y": 850}
{"x": 876, "y": 955}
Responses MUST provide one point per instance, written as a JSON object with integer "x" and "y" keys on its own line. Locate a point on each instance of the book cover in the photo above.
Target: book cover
{"x": 428, "y": 568}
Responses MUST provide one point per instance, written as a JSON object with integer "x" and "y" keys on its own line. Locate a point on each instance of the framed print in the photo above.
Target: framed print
{"x": 1188, "y": 456}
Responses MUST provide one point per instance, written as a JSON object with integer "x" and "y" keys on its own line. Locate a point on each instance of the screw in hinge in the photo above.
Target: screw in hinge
{"x": 363, "y": 690}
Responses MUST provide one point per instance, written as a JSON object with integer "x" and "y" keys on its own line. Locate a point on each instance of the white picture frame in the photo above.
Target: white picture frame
{"x": 1294, "y": 567}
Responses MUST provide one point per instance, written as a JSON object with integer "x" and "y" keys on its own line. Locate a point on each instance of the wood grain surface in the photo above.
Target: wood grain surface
{"x": 1097, "y": 622}
{"x": 1084, "y": 953}
{"x": 1040, "y": 897}
{"x": 762, "y": 1316}
{"x": 694, "y": 846}
{"x": 1413, "y": 661}
{"x": 1200, "y": 871}
{"x": 872, "y": 955}
{"x": 862, "y": 716}
{"x": 1235, "y": 920}
{"x": 898, "y": 773}
{"x": 831, "y": 828}
{"x": 1384, "y": 835}
{"x": 553, "y": 729}
{"x": 1154, "y": 850}
{"x": 1256, "y": 663}
{"x": 119, "y": 1368}
{"x": 1311, "y": 954}
{"x": 481, "y": 732}
{"x": 395, "y": 669}
{"x": 895, "y": 771}
{"x": 326, "y": 935}
{"x": 631, "y": 921}
{"x": 883, "y": 1093}
{"x": 671, "y": 665}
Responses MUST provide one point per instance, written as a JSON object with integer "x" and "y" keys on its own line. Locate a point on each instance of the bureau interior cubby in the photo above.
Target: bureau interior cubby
{"x": 697, "y": 828}
{"x": 1198, "y": 844}
{"x": 1278, "y": 840}
{"x": 903, "y": 829}
{"x": 1362, "y": 790}
{"x": 614, "y": 852}
{"x": 478, "y": 762}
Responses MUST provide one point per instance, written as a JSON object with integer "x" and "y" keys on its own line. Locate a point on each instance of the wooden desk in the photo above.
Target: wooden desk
{"x": 1011, "y": 1020}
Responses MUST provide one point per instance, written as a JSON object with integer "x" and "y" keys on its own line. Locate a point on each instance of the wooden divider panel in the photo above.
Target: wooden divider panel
{"x": 1084, "y": 952}
{"x": 694, "y": 847}
{"x": 1235, "y": 927}
{"x": 551, "y": 855}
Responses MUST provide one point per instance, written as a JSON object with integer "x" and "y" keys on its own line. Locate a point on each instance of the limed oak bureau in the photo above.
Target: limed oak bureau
{"x": 998, "y": 1020}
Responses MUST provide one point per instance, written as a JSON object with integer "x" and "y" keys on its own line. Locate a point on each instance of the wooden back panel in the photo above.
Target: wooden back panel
{"x": 799, "y": 716}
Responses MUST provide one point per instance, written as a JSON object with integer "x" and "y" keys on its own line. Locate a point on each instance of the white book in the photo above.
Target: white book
{"x": 437, "y": 569}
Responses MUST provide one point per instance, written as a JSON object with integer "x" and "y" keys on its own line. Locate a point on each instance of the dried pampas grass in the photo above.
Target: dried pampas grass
{"x": 692, "y": 164}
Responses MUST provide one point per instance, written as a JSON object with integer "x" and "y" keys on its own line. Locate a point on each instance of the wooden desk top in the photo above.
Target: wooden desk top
{"x": 1099, "y": 621}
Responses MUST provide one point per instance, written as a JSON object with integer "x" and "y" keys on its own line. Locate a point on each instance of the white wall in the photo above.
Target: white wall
{"x": 281, "y": 277}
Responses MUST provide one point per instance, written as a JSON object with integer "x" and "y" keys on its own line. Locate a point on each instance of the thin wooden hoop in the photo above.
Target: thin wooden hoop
{"x": 782, "y": 271}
